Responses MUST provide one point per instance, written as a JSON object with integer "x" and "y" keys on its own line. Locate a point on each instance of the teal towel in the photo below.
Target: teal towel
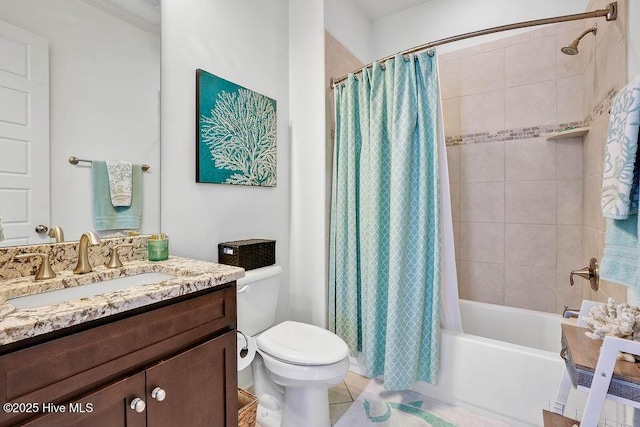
{"x": 619, "y": 263}
{"x": 105, "y": 215}
{"x": 621, "y": 176}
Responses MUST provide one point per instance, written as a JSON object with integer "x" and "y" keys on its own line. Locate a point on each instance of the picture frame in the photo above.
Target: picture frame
{"x": 236, "y": 133}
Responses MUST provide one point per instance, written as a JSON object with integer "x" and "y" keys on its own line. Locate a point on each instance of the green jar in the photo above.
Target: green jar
{"x": 158, "y": 249}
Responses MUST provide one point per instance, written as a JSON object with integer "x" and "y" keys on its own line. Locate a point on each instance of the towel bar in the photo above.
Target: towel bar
{"x": 74, "y": 161}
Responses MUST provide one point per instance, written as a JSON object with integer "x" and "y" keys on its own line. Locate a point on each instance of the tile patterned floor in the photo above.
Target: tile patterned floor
{"x": 342, "y": 396}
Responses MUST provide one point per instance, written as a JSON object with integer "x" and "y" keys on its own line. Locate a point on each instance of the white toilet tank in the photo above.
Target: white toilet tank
{"x": 258, "y": 299}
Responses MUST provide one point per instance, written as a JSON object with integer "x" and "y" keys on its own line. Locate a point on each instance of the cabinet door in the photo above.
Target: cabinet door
{"x": 106, "y": 407}
{"x": 200, "y": 385}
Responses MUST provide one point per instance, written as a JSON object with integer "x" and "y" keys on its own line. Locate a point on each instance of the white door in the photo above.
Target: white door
{"x": 24, "y": 135}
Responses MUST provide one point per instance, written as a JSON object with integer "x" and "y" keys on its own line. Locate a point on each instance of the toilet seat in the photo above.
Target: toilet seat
{"x": 302, "y": 344}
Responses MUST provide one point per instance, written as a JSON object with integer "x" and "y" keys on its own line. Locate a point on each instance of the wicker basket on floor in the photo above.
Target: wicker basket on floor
{"x": 247, "y": 408}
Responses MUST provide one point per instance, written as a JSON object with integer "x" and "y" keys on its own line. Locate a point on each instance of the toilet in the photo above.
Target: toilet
{"x": 293, "y": 364}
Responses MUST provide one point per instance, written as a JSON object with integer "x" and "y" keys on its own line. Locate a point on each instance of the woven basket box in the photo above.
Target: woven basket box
{"x": 248, "y": 254}
{"x": 247, "y": 409}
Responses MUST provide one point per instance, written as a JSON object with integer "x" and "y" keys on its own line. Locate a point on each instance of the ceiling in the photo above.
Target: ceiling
{"x": 375, "y": 9}
{"x": 144, "y": 14}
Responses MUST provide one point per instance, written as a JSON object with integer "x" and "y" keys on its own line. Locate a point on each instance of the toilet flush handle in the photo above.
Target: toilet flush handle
{"x": 243, "y": 289}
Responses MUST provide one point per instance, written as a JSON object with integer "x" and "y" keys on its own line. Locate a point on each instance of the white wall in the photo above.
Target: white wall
{"x": 244, "y": 42}
{"x": 350, "y": 27}
{"x": 104, "y": 83}
{"x": 308, "y": 204}
{"x": 438, "y": 19}
{"x": 633, "y": 39}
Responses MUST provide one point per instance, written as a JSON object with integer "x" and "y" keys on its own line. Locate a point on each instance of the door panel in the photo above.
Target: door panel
{"x": 200, "y": 386}
{"x": 107, "y": 407}
{"x": 24, "y": 135}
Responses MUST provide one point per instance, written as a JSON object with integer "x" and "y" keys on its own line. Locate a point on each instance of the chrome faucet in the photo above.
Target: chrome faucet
{"x": 87, "y": 239}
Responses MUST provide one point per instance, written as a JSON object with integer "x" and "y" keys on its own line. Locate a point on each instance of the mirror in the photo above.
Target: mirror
{"x": 103, "y": 104}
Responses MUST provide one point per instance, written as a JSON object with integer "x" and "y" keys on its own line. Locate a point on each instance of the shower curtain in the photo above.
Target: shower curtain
{"x": 390, "y": 196}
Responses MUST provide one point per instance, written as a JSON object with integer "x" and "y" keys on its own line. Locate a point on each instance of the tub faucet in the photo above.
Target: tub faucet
{"x": 591, "y": 273}
{"x": 88, "y": 239}
{"x": 570, "y": 312}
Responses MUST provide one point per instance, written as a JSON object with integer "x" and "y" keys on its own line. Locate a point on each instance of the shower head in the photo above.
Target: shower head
{"x": 572, "y": 48}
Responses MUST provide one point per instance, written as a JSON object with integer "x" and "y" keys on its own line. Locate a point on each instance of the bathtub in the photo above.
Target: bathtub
{"x": 506, "y": 364}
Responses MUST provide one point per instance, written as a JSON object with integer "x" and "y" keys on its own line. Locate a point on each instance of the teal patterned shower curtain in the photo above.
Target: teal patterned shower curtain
{"x": 385, "y": 250}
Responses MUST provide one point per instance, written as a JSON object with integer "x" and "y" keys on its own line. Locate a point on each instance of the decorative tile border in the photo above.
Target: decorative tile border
{"x": 601, "y": 107}
{"x": 508, "y": 134}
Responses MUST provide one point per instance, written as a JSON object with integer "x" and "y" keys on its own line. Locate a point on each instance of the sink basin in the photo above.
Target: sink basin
{"x": 63, "y": 295}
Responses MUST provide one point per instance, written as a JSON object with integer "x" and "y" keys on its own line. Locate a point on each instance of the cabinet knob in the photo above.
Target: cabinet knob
{"x": 138, "y": 405}
{"x": 158, "y": 394}
{"x": 41, "y": 228}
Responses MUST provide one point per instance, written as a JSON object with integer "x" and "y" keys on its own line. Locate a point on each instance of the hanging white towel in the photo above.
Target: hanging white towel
{"x": 621, "y": 171}
{"x": 120, "y": 182}
{"x": 621, "y": 178}
{"x": 109, "y": 217}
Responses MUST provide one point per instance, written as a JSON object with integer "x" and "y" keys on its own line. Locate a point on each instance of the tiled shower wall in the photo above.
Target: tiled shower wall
{"x": 520, "y": 223}
{"x": 517, "y": 198}
{"x": 605, "y": 64}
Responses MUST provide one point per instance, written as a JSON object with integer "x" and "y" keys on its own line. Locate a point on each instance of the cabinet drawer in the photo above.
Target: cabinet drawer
{"x": 68, "y": 366}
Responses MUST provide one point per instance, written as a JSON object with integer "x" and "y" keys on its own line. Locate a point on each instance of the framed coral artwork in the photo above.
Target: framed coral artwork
{"x": 236, "y": 133}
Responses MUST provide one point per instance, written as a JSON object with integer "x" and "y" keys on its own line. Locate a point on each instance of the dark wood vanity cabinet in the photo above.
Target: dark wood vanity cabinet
{"x": 178, "y": 360}
{"x": 194, "y": 385}
{"x": 106, "y": 407}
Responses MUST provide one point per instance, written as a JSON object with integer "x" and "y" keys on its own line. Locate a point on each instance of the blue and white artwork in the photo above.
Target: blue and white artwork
{"x": 236, "y": 141}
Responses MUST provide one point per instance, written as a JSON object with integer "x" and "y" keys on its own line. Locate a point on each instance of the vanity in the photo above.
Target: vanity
{"x": 155, "y": 354}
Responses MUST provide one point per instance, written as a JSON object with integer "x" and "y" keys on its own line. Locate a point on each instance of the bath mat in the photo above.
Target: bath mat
{"x": 379, "y": 407}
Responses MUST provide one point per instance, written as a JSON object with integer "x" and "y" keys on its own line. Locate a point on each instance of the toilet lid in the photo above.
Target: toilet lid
{"x": 302, "y": 344}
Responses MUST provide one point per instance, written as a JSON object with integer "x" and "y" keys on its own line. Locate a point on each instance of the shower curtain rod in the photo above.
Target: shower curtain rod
{"x": 611, "y": 13}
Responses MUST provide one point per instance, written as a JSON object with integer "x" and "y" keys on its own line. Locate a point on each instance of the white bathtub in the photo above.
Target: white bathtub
{"x": 506, "y": 365}
{"x": 507, "y": 362}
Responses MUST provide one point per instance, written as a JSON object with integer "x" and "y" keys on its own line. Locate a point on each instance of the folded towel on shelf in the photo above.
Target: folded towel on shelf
{"x": 621, "y": 170}
{"x": 109, "y": 217}
{"x": 120, "y": 182}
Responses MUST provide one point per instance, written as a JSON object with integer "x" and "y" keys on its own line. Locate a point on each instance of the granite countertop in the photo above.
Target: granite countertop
{"x": 18, "y": 324}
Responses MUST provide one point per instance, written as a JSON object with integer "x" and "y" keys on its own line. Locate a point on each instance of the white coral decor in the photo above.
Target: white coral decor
{"x": 241, "y": 136}
{"x": 619, "y": 320}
